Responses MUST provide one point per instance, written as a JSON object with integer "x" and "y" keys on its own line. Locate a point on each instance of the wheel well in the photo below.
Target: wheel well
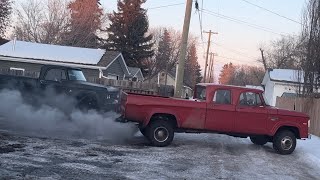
{"x": 295, "y": 130}
{"x": 168, "y": 117}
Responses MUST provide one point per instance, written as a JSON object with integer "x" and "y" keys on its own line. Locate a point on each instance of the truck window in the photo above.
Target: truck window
{"x": 76, "y": 75}
{"x": 55, "y": 75}
{"x": 222, "y": 97}
{"x": 200, "y": 93}
{"x": 250, "y": 99}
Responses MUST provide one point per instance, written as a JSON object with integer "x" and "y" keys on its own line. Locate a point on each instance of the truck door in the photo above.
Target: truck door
{"x": 251, "y": 114}
{"x": 53, "y": 80}
{"x": 220, "y": 112}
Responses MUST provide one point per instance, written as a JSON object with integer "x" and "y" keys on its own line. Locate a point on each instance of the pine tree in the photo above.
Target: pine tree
{"x": 85, "y": 22}
{"x": 163, "y": 55}
{"x": 128, "y": 33}
{"x": 5, "y": 11}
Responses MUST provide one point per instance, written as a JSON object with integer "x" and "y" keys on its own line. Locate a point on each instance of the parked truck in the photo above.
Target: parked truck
{"x": 235, "y": 111}
{"x": 64, "y": 80}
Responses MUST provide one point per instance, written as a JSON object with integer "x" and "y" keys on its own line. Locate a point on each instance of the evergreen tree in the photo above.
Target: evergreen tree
{"x": 164, "y": 52}
{"x": 128, "y": 33}
{"x": 5, "y": 11}
{"x": 85, "y": 22}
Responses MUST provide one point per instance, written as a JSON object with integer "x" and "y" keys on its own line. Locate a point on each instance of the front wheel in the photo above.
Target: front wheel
{"x": 284, "y": 142}
{"x": 160, "y": 133}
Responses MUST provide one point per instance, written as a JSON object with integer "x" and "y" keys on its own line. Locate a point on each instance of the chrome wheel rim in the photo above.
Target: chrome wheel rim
{"x": 286, "y": 143}
{"x": 161, "y": 134}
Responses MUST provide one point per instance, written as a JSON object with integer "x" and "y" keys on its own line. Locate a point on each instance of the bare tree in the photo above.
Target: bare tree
{"x": 311, "y": 38}
{"x": 42, "y": 21}
{"x": 282, "y": 53}
{"x": 5, "y": 11}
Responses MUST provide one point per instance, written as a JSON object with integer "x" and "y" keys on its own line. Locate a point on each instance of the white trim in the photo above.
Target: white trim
{"x": 4, "y": 58}
{"x": 17, "y": 69}
{"x": 125, "y": 64}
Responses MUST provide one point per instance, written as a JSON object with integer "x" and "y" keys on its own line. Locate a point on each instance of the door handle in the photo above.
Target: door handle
{"x": 274, "y": 118}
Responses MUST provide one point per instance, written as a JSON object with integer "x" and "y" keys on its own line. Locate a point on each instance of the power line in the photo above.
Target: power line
{"x": 275, "y": 13}
{"x": 241, "y": 22}
{"x": 233, "y": 50}
{"x": 169, "y": 5}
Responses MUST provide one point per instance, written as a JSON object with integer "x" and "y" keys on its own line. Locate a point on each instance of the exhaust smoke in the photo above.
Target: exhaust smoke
{"x": 56, "y": 116}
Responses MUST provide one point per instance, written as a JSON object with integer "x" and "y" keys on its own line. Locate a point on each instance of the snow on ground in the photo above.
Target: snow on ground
{"x": 191, "y": 156}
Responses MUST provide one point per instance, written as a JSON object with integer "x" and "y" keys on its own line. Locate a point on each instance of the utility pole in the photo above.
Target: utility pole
{"x": 183, "y": 50}
{"x": 210, "y": 67}
{"x": 207, "y": 57}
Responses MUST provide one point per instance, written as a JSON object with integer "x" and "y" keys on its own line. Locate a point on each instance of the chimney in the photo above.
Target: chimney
{"x": 14, "y": 43}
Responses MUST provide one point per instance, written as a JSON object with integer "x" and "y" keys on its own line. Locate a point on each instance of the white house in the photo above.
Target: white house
{"x": 281, "y": 82}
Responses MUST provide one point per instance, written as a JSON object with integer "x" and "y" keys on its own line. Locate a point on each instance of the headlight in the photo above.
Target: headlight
{"x": 108, "y": 96}
{"x": 309, "y": 123}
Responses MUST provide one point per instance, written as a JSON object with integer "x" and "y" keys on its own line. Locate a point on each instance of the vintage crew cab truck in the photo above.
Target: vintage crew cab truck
{"x": 235, "y": 111}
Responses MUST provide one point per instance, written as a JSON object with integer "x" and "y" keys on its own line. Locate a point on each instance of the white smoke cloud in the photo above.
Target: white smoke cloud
{"x": 55, "y": 116}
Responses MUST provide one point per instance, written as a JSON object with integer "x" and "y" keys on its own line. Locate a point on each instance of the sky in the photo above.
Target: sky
{"x": 235, "y": 42}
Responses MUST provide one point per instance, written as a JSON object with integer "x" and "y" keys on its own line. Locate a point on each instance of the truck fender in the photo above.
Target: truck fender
{"x": 279, "y": 125}
{"x": 160, "y": 111}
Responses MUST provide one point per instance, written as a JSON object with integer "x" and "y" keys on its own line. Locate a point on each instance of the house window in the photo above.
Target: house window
{"x": 115, "y": 77}
{"x": 17, "y": 71}
{"x": 163, "y": 74}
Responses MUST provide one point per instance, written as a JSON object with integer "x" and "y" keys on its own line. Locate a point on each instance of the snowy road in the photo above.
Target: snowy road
{"x": 191, "y": 156}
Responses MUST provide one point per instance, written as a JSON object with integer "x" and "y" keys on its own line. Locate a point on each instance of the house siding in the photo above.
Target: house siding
{"x": 91, "y": 74}
{"x": 115, "y": 69}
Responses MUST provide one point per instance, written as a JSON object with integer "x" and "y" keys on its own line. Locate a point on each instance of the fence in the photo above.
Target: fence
{"x": 306, "y": 105}
{"x": 136, "y": 87}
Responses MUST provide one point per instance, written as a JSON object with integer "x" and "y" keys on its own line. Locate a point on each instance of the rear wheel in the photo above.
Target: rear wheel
{"x": 284, "y": 142}
{"x": 160, "y": 133}
{"x": 259, "y": 140}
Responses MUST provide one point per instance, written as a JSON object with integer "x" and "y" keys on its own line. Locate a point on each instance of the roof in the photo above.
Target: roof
{"x": 228, "y": 86}
{"x": 134, "y": 70}
{"x": 29, "y": 50}
{"x": 286, "y": 75}
{"x": 108, "y": 58}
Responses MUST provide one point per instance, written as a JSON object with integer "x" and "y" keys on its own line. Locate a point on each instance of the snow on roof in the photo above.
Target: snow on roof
{"x": 49, "y": 52}
{"x": 289, "y": 75}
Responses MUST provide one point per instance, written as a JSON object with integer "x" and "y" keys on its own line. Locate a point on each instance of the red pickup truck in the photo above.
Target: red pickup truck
{"x": 235, "y": 111}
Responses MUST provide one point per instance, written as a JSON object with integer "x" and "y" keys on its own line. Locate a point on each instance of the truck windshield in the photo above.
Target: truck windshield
{"x": 76, "y": 75}
{"x": 200, "y": 93}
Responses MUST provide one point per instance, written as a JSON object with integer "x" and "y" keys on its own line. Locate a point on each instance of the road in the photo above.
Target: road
{"x": 191, "y": 156}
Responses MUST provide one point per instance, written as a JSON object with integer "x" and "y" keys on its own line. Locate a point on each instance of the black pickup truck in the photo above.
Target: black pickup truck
{"x": 68, "y": 81}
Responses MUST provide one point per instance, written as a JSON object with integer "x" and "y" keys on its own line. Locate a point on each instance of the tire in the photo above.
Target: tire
{"x": 160, "y": 133}
{"x": 259, "y": 140}
{"x": 284, "y": 142}
{"x": 143, "y": 131}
